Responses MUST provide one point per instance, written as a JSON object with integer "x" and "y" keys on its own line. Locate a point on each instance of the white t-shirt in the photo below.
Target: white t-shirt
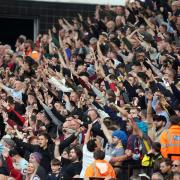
{"x": 89, "y": 159}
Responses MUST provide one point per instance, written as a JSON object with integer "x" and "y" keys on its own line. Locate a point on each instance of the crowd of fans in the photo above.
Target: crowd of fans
{"x": 94, "y": 95}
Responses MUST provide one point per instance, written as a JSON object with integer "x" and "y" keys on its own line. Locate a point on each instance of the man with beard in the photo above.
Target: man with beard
{"x": 71, "y": 168}
{"x": 160, "y": 123}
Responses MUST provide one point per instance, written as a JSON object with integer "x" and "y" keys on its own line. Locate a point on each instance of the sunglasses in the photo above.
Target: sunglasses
{"x": 175, "y": 165}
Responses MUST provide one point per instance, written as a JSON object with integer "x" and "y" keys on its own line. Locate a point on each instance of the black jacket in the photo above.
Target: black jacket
{"x": 48, "y": 153}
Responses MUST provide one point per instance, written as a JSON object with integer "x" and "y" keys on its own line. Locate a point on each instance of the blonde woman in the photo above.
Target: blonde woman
{"x": 31, "y": 172}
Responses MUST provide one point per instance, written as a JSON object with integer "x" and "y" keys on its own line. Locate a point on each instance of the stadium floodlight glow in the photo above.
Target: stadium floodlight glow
{"x": 100, "y": 2}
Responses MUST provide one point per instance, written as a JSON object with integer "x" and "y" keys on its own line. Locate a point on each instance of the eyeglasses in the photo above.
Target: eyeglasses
{"x": 175, "y": 165}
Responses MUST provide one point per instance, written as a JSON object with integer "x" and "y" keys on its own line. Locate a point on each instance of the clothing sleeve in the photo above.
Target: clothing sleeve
{"x": 163, "y": 90}
{"x": 68, "y": 106}
{"x": 130, "y": 89}
{"x": 65, "y": 161}
{"x": 58, "y": 115}
{"x": 164, "y": 144}
{"x": 102, "y": 114}
{"x": 89, "y": 172}
{"x": 15, "y": 116}
{"x": 66, "y": 142}
{"x": 154, "y": 102}
{"x": 127, "y": 43}
{"x": 97, "y": 92}
{"x": 114, "y": 117}
{"x": 51, "y": 115}
{"x": 113, "y": 174}
{"x": 129, "y": 143}
{"x": 13, "y": 172}
{"x": 175, "y": 90}
{"x": 153, "y": 86}
{"x": 59, "y": 85}
{"x": 96, "y": 129}
{"x": 83, "y": 84}
{"x": 27, "y": 146}
{"x": 7, "y": 89}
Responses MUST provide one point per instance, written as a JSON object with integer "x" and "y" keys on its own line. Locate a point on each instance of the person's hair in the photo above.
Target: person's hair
{"x": 167, "y": 161}
{"x": 99, "y": 154}
{"x": 157, "y": 164}
{"x": 30, "y": 42}
{"x": 30, "y": 176}
{"x": 175, "y": 120}
{"x": 107, "y": 121}
{"x": 160, "y": 177}
{"x": 10, "y": 100}
{"x": 20, "y": 40}
{"x": 55, "y": 162}
{"x": 78, "y": 152}
{"x": 91, "y": 145}
{"x": 160, "y": 118}
{"x": 32, "y": 138}
{"x": 111, "y": 93}
{"x": 164, "y": 26}
{"x": 35, "y": 111}
{"x": 95, "y": 111}
{"x": 44, "y": 134}
{"x": 13, "y": 152}
{"x": 156, "y": 146}
{"x": 66, "y": 150}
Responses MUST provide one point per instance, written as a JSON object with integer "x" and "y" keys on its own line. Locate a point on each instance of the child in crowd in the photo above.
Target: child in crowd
{"x": 55, "y": 170}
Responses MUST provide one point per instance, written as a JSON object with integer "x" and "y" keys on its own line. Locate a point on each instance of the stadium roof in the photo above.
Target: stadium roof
{"x": 101, "y": 2}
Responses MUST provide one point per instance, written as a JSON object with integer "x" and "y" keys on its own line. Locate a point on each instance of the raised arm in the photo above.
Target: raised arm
{"x": 149, "y": 96}
{"x": 56, "y": 149}
{"x": 120, "y": 109}
{"x": 88, "y": 134}
{"x": 105, "y": 131}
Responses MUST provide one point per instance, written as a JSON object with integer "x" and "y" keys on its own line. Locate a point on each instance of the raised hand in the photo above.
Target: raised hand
{"x": 57, "y": 141}
{"x": 5, "y": 104}
{"x": 149, "y": 96}
{"x": 90, "y": 126}
{"x": 5, "y": 152}
{"x": 65, "y": 98}
{"x": 60, "y": 22}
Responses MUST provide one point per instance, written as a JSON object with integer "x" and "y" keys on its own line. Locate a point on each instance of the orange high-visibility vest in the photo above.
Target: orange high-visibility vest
{"x": 170, "y": 142}
{"x": 92, "y": 170}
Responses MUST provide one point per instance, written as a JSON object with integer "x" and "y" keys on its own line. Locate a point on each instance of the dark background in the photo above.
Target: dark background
{"x": 11, "y": 28}
{"x": 16, "y": 17}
